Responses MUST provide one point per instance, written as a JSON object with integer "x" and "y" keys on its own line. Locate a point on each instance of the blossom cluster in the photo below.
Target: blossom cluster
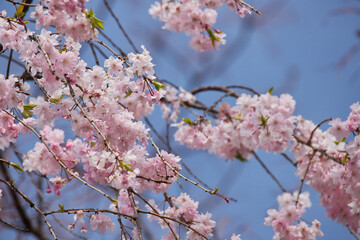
{"x": 68, "y": 17}
{"x": 328, "y": 161}
{"x": 174, "y": 99}
{"x": 185, "y": 209}
{"x": 195, "y": 18}
{"x": 333, "y": 169}
{"x": 264, "y": 122}
{"x": 103, "y": 104}
{"x": 291, "y": 208}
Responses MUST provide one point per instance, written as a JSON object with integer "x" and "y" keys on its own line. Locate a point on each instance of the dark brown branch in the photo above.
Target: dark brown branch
{"x": 9, "y": 63}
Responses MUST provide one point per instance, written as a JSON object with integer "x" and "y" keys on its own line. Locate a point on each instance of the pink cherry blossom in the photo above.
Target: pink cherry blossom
{"x": 102, "y": 223}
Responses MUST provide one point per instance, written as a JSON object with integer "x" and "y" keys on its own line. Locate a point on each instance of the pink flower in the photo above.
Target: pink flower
{"x": 243, "y": 11}
{"x": 235, "y": 237}
{"x": 58, "y": 183}
{"x": 102, "y": 223}
{"x": 339, "y": 129}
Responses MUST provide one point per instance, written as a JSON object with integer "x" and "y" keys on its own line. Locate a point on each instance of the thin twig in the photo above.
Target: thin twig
{"x": 289, "y": 159}
{"x": 317, "y": 126}
{"x": 249, "y": 6}
{"x": 94, "y": 210}
{"x": 112, "y": 43}
{"x": 22, "y": 3}
{"x": 217, "y": 102}
{"x": 155, "y": 131}
{"x": 154, "y": 209}
{"x": 353, "y": 233}
{"x": 174, "y": 220}
{"x": 14, "y": 226}
{"x": 303, "y": 178}
{"x": 93, "y": 52}
{"x": 120, "y": 26}
{"x": 269, "y": 172}
{"x": 136, "y": 217}
{"x": 9, "y": 63}
{"x": 179, "y": 174}
{"x": 214, "y": 88}
{"x": 323, "y": 152}
{"x": 32, "y": 204}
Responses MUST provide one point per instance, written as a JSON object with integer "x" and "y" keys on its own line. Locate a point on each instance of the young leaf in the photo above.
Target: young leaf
{"x": 188, "y": 121}
{"x": 158, "y": 85}
{"x": 62, "y": 209}
{"x": 212, "y": 36}
{"x": 16, "y": 167}
{"x": 240, "y": 157}
{"x": 20, "y": 11}
{"x": 26, "y": 113}
{"x": 271, "y": 90}
{"x": 95, "y": 22}
{"x": 29, "y": 106}
{"x": 54, "y": 100}
{"x": 215, "y": 190}
{"x": 126, "y": 166}
{"x": 263, "y": 120}
{"x": 128, "y": 94}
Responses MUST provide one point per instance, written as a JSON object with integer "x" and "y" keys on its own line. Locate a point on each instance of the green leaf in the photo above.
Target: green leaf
{"x": 28, "y": 110}
{"x": 188, "y": 121}
{"x": 345, "y": 158}
{"x": 240, "y": 157}
{"x": 62, "y": 209}
{"x": 212, "y": 36}
{"x": 16, "y": 167}
{"x": 114, "y": 200}
{"x": 263, "y": 120}
{"x": 98, "y": 23}
{"x": 26, "y": 113}
{"x": 57, "y": 100}
{"x": 20, "y": 11}
{"x": 337, "y": 142}
{"x": 29, "y": 106}
{"x": 128, "y": 94}
{"x": 54, "y": 100}
{"x": 126, "y": 166}
{"x": 271, "y": 90}
{"x": 158, "y": 85}
{"x": 12, "y": 181}
{"x": 215, "y": 190}
{"x": 95, "y": 22}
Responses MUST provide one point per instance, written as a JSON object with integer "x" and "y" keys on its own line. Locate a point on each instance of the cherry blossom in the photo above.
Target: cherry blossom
{"x": 102, "y": 223}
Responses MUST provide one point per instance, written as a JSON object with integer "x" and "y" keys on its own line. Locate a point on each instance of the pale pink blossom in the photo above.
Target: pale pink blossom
{"x": 102, "y": 223}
